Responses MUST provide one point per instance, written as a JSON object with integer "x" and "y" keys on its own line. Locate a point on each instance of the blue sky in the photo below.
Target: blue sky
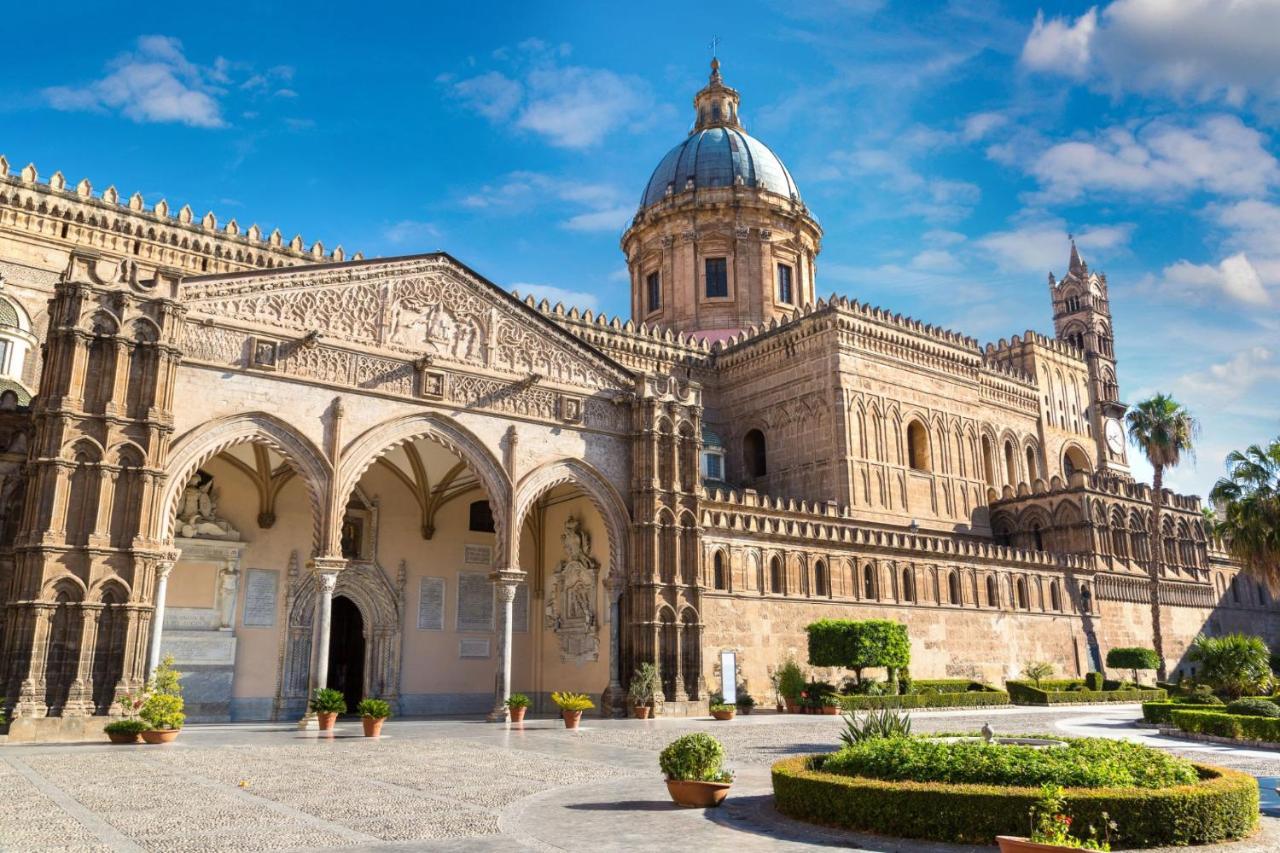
{"x": 947, "y": 148}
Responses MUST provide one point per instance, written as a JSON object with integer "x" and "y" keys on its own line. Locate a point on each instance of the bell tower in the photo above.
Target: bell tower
{"x": 1082, "y": 318}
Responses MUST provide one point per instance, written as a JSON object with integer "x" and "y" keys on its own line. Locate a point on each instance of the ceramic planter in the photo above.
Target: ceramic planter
{"x": 831, "y": 710}
{"x": 571, "y": 718}
{"x": 517, "y": 714}
{"x": 372, "y": 726}
{"x": 698, "y": 795}
{"x": 1013, "y": 844}
{"x": 160, "y": 735}
{"x": 723, "y": 715}
{"x": 745, "y": 709}
{"x": 792, "y": 707}
{"x": 123, "y": 737}
{"x": 326, "y": 719}
{"x": 641, "y": 712}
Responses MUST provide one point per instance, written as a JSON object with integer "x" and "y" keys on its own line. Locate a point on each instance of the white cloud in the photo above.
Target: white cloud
{"x": 1201, "y": 49}
{"x": 569, "y": 106}
{"x": 934, "y": 199}
{"x": 1059, "y": 45}
{"x": 593, "y": 206}
{"x": 1235, "y": 277}
{"x": 553, "y": 294}
{"x": 1229, "y": 381}
{"x": 411, "y": 231}
{"x": 1041, "y": 247}
{"x": 155, "y": 83}
{"x": 615, "y": 219}
{"x": 1220, "y": 154}
{"x": 979, "y": 125}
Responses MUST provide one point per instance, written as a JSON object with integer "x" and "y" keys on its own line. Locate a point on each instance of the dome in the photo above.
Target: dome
{"x": 718, "y": 157}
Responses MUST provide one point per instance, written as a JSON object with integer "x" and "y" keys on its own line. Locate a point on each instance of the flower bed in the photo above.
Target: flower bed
{"x": 1221, "y": 724}
{"x": 1221, "y": 805}
{"x": 966, "y": 699}
{"x": 1050, "y": 693}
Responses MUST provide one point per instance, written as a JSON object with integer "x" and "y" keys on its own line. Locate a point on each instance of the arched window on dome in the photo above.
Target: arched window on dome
{"x": 16, "y": 345}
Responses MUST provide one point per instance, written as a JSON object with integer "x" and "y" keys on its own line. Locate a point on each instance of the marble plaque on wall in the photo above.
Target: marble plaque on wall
{"x": 520, "y": 609}
{"x": 477, "y": 555}
{"x": 475, "y": 602}
{"x": 473, "y": 647}
{"x": 260, "y": 598}
{"x": 431, "y": 604}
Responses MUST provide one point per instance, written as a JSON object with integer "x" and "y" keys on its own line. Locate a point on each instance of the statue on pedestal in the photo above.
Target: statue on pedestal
{"x": 198, "y": 511}
{"x": 572, "y": 601}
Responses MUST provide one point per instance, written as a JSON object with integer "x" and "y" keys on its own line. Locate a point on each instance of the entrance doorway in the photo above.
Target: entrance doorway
{"x": 346, "y": 651}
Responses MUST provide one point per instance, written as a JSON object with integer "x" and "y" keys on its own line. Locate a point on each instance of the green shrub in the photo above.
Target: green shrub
{"x": 886, "y": 723}
{"x": 1200, "y": 697}
{"x": 1252, "y": 706}
{"x": 720, "y": 706}
{"x": 858, "y": 644}
{"x": 328, "y": 701}
{"x": 379, "y": 709}
{"x": 968, "y": 699}
{"x": 1093, "y": 681}
{"x": 1222, "y": 805}
{"x": 1051, "y": 693}
{"x": 645, "y": 684}
{"x": 1233, "y": 665}
{"x": 517, "y": 700}
{"x": 1228, "y": 725}
{"x": 1082, "y": 763}
{"x": 165, "y": 680}
{"x": 572, "y": 701}
{"x": 163, "y": 711}
{"x": 694, "y": 758}
{"x": 790, "y": 681}
{"x": 1133, "y": 658}
{"x": 948, "y": 685}
{"x": 745, "y": 700}
{"x": 131, "y": 726}
{"x": 1037, "y": 671}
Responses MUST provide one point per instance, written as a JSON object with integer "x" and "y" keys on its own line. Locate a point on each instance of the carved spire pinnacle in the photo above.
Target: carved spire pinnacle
{"x": 1076, "y": 265}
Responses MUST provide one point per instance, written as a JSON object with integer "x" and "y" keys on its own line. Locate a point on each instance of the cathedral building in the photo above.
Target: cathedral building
{"x": 288, "y": 468}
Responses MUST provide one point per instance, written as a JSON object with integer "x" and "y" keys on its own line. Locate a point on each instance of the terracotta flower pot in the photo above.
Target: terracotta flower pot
{"x": 722, "y": 715}
{"x": 641, "y": 712}
{"x": 792, "y": 707}
{"x": 160, "y": 735}
{"x": 123, "y": 737}
{"x": 1013, "y": 844}
{"x": 831, "y": 710}
{"x": 698, "y": 795}
{"x": 326, "y": 719}
{"x": 517, "y": 714}
{"x": 372, "y": 726}
{"x": 745, "y": 709}
{"x": 571, "y": 718}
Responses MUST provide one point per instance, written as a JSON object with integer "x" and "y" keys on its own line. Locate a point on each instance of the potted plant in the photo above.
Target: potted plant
{"x": 722, "y": 710}
{"x": 327, "y": 704}
{"x": 162, "y": 717}
{"x": 1051, "y": 828}
{"x": 644, "y": 686}
{"x": 128, "y": 730}
{"x": 745, "y": 702}
{"x": 372, "y": 713}
{"x": 693, "y": 767}
{"x": 791, "y": 684}
{"x": 571, "y": 707}
{"x": 517, "y": 706}
{"x": 162, "y": 707}
{"x": 829, "y": 704}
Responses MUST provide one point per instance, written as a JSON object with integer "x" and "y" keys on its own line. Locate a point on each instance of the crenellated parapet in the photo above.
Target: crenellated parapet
{"x": 54, "y": 213}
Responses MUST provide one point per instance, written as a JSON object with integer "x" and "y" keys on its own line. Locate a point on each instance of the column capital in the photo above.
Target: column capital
{"x": 166, "y": 560}
{"x": 327, "y": 565}
{"x": 508, "y": 578}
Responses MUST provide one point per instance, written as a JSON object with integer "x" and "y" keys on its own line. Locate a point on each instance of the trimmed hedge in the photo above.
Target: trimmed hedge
{"x": 1227, "y": 725}
{"x": 950, "y": 685}
{"x": 1023, "y": 693}
{"x": 1160, "y": 712}
{"x": 1223, "y": 805}
{"x": 968, "y": 699}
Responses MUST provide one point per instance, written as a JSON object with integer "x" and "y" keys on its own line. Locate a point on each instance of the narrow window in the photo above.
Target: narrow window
{"x": 1031, "y": 463}
{"x": 753, "y": 454}
{"x": 655, "y": 291}
{"x": 918, "y": 446}
{"x": 775, "y": 576}
{"x": 1022, "y": 594}
{"x": 717, "y": 277}
{"x": 993, "y": 594}
{"x": 820, "y": 579}
{"x": 713, "y": 466}
{"x": 1055, "y": 598}
{"x": 481, "y": 517}
{"x": 718, "y": 573}
{"x": 784, "y": 284}
{"x": 908, "y": 586}
{"x": 868, "y": 582}
{"x": 953, "y": 587}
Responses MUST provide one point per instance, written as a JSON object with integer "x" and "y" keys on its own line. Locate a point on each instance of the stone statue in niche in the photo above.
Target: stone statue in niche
{"x": 198, "y": 511}
{"x": 573, "y": 597}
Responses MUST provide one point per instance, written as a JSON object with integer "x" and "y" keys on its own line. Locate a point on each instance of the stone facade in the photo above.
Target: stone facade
{"x": 290, "y": 469}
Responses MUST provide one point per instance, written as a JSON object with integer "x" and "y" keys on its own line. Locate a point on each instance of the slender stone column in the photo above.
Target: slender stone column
{"x": 619, "y": 708}
{"x": 164, "y": 565}
{"x": 681, "y": 695}
{"x": 504, "y": 581}
{"x": 326, "y": 570}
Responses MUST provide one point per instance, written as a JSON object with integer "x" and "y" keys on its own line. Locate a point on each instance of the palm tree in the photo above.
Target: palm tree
{"x": 1249, "y": 498}
{"x": 1163, "y": 430}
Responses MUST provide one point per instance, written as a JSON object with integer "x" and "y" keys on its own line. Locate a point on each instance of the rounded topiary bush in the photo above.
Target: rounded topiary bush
{"x": 1201, "y": 698}
{"x": 1254, "y": 707}
{"x": 693, "y": 758}
{"x": 1220, "y": 805}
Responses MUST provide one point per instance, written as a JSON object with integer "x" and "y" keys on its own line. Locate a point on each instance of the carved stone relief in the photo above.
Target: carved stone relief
{"x": 573, "y": 598}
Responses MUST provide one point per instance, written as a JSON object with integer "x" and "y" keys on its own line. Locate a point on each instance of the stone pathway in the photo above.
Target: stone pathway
{"x": 468, "y": 786}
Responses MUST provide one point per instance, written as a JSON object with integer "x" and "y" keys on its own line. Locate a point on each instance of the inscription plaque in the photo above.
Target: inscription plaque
{"x": 473, "y": 647}
{"x": 477, "y": 555}
{"x": 260, "y": 598}
{"x": 431, "y": 604}
{"x": 475, "y": 602}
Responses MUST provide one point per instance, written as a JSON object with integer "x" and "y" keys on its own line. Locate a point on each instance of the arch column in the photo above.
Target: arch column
{"x": 504, "y": 582}
{"x": 326, "y": 570}
{"x": 164, "y": 566}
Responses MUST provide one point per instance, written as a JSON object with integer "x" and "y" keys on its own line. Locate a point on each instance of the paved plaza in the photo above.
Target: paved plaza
{"x": 469, "y": 785}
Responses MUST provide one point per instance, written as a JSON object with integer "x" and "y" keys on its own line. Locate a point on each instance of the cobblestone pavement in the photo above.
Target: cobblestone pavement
{"x": 466, "y": 786}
